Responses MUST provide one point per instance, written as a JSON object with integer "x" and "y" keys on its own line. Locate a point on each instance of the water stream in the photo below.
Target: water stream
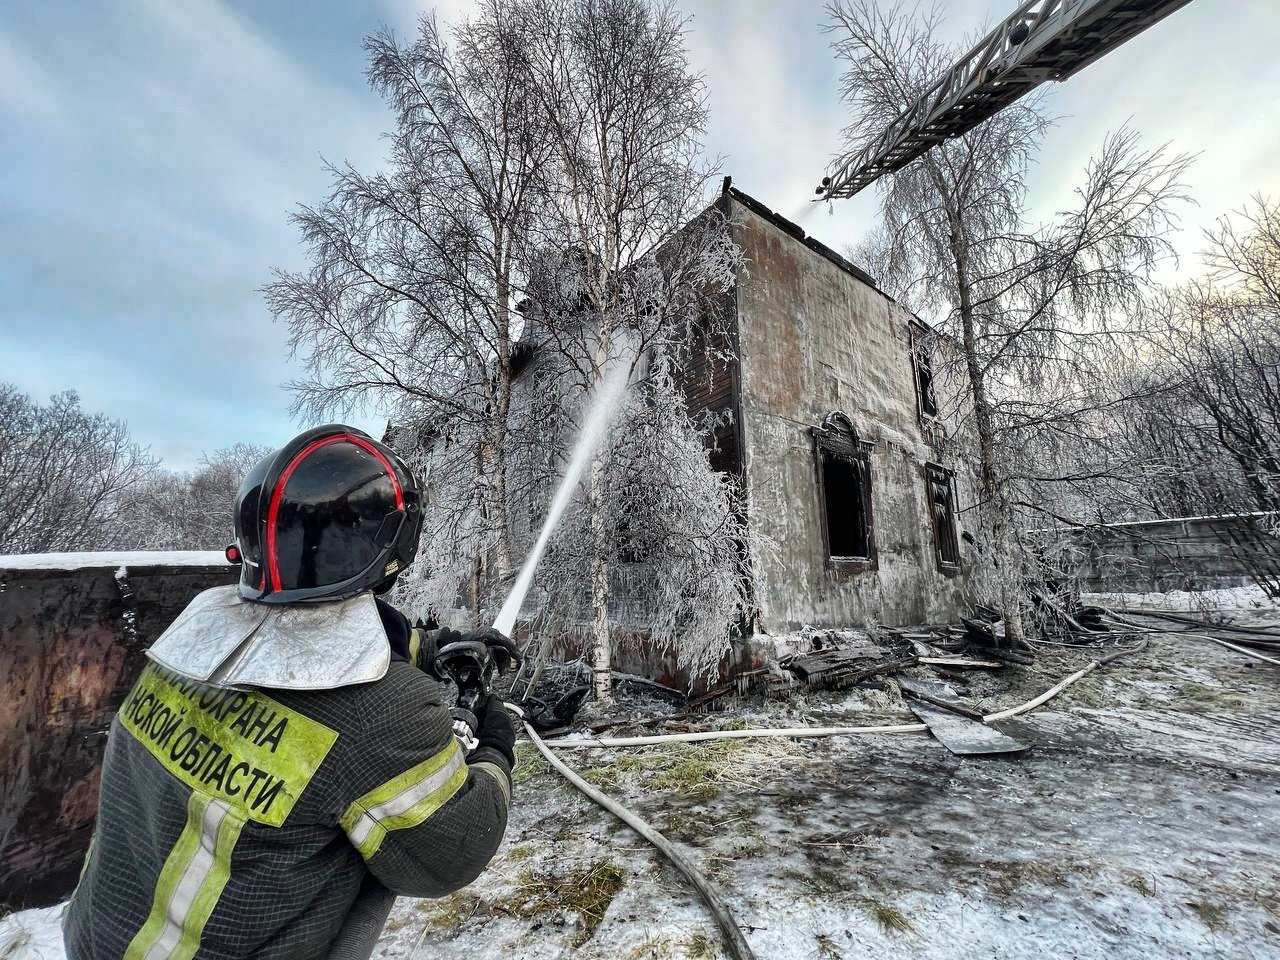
{"x": 599, "y": 411}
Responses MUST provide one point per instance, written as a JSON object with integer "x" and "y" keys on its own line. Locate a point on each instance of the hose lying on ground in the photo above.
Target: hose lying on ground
{"x": 736, "y": 735}
{"x": 1241, "y": 635}
{"x": 837, "y": 731}
{"x": 736, "y": 942}
{"x": 1244, "y": 628}
{"x": 1232, "y": 646}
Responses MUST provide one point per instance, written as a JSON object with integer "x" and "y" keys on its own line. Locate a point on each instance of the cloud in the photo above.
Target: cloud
{"x": 403, "y": 15}
{"x": 147, "y": 204}
{"x": 26, "y": 88}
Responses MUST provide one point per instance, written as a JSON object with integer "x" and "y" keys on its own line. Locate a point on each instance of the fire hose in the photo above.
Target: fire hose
{"x": 733, "y": 937}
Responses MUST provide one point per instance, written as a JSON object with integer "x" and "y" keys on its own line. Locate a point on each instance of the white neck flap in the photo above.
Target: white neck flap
{"x": 225, "y": 640}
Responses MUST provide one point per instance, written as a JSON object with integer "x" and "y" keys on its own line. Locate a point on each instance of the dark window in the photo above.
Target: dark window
{"x": 922, "y": 361}
{"x": 942, "y": 508}
{"x": 844, "y": 476}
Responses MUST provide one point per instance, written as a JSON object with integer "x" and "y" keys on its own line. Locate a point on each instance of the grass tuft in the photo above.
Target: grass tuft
{"x": 827, "y": 949}
{"x": 890, "y": 919}
{"x": 700, "y": 947}
{"x": 523, "y": 852}
{"x": 529, "y": 763}
{"x": 1142, "y": 885}
{"x": 1211, "y": 915}
{"x": 453, "y": 912}
{"x": 587, "y": 892}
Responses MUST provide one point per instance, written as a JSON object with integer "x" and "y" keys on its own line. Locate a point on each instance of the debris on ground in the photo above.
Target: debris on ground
{"x": 956, "y": 725}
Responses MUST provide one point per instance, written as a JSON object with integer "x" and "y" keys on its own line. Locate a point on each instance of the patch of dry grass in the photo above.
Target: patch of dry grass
{"x": 827, "y": 948}
{"x": 529, "y": 763}
{"x": 1142, "y": 884}
{"x": 700, "y": 947}
{"x": 523, "y": 852}
{"x": 587, "y": 891}
{"x": 889, "y": 918}
{"x": 1212, "y": 915}
{"x": 697, "y": 771}
{"x": 453, "y": 912}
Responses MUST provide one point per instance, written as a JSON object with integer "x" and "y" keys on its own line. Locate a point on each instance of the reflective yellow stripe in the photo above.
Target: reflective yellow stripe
{"x": 498, "y": 774}
{"x": 175, "y": 865}
{"x": 190, "y": 882}
{"x": 415, "y": 646}
{"x": 210, "y": 890}
{"x": 406, "y": 800}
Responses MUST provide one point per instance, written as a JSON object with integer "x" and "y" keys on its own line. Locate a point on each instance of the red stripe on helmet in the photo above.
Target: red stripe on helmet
{"x": 277, "y": 494}
{"x": 386, "y": 464}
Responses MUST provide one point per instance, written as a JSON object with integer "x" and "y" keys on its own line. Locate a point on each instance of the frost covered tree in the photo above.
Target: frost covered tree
{"x": 1203, "y": 414}
{"x": 63, "y": 473}
{"x": 173, "y": 510}
{"x": 1028, "y": 311}
{"x": 408, "y": 304}
{"x": 630, "y": 261}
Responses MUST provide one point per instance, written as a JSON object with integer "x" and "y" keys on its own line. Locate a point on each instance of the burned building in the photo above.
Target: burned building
{"x": 831, "y": 421}
{"x": 827, "y": 412}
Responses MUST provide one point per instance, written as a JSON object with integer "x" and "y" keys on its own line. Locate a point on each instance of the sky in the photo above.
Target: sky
{"x": 151, "y": 152}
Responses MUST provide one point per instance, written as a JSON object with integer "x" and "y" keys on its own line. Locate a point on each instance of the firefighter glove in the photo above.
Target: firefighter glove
{"x": 496, "y": 729}
{"x": 501, "y": 648}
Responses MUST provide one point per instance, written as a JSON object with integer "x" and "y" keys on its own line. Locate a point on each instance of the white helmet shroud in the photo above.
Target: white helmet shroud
{"x": 227, "y": 641}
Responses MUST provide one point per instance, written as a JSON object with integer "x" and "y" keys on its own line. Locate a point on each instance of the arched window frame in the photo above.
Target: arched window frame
{"x": 836, "y": 438}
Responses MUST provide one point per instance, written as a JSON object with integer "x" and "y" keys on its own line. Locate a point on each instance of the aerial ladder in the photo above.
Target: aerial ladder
{"x": 1041, "y": 40}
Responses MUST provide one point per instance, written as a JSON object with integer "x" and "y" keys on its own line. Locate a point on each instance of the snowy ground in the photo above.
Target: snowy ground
{"x": 113, "y": 558}
{"x": 1249, "y": 600}
{"x": 1141, "y": 824}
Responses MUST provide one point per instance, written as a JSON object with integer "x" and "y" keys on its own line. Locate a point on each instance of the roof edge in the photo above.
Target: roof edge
{"x": 796, "y": 231}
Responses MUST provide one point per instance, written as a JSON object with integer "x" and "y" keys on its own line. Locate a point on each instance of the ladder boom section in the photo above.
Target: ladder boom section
{"x": 1041, "y": 40}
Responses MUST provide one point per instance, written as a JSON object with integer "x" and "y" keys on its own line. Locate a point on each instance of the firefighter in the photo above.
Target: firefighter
{"x": 288, "y": 748}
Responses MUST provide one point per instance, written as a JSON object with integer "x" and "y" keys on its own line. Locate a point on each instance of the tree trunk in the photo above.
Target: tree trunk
{"x": 602, "y": 640}
{"x": 1002, "y": 555}
{"x": 503, "y": 408}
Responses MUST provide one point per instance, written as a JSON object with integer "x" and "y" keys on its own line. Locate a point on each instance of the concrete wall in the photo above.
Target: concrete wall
{"x": 1198, "y": 553}
{"x": 816, "y": 339}
{"x": 71, "y": 644}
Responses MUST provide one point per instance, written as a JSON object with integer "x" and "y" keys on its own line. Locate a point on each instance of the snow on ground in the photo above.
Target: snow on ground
{"x": 123, "y": 558}
{"x": 1251, "y": 598}
{"x": 1141, "y": 824}
{"x": 32, "y": 935}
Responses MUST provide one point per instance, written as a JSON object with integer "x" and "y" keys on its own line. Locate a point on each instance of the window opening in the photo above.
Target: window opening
{"x": 922, "y": 361}
{"x": 942, "y": 507}
{"x": 844, "y": 471}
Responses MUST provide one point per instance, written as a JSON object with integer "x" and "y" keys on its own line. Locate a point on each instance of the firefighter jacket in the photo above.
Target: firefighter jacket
{"x": 241, "y": 823}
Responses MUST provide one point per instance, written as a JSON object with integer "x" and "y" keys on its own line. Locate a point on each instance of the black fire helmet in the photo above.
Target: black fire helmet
{"x": 329, "y": 515}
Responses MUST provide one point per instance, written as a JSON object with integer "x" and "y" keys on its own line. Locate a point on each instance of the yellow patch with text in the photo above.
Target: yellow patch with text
{"x": 239, "y": 746}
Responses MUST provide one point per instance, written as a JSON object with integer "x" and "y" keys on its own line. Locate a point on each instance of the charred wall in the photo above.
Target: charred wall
{"x": 71, "y": 645}
{"x": 818, "y": 338}
{"x": 710, "y": 380}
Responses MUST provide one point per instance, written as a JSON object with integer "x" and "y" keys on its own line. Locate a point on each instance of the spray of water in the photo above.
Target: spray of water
{"x": 599, "y": 412}
{"x": 805, "y": 211}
